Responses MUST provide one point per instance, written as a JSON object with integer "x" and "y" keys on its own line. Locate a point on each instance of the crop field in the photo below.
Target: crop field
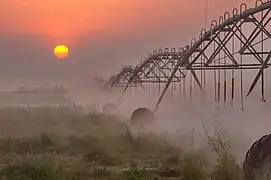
{"x": 69, "y": 144}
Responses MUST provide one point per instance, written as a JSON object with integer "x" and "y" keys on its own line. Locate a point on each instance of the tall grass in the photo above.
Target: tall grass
{"x": 87, "y": 146}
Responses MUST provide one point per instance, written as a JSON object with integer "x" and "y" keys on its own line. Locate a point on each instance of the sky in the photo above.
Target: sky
{"x": 102, "y": 35}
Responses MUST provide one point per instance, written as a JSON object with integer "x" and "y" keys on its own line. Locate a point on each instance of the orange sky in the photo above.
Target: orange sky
{"x": 98, "y": 32}
{"x": 62, "y": 18}
{"x": 66, "y": 17}
{"x": 71, "y": 17}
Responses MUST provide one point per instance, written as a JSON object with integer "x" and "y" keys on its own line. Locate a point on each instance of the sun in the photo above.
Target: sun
{"x": 61, "y": 51}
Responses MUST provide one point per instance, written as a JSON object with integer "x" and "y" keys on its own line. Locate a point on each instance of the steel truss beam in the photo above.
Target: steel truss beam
{"x": 223, "y": 48}
{"x": 122, "y": 78}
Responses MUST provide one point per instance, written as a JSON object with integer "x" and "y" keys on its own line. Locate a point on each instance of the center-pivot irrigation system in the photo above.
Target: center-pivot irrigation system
{"x": 219, "y": 58}
{"x": 236, "y": 43}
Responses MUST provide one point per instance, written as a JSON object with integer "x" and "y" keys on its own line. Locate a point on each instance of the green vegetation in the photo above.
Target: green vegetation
{"x": 67, "y": 144}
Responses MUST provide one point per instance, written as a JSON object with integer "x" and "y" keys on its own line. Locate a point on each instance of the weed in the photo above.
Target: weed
{"x": 192, "y": 169}
{"x": 103, "y": 150}
{"x": 100, "y": 173}
{"x": 28, "y": 171}
{"x": 135, "y": 174}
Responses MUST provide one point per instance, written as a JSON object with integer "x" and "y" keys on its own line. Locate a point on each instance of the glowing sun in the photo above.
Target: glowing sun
{"x": 61, "y": 51}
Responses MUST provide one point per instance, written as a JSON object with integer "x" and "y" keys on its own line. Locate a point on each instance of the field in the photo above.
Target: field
{"x": 69, "y": 144}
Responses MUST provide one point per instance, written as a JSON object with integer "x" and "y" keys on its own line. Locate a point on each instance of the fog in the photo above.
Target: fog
{"x": 181, "y": 115}
{"x": 26, "y": 50}
{"x": 26, "y": 60}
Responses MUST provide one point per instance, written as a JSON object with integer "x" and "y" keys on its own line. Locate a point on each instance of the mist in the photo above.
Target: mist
{"x": 27, "y": 60}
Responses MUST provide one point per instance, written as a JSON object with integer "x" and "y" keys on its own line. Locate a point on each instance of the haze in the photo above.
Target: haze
{"x": 102, "y": 35}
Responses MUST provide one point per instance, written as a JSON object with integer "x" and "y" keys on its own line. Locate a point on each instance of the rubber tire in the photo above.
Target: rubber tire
{"x": 109, "y": 109}
{"x": 142, "y": 116}
{"x": 255, "y": 157}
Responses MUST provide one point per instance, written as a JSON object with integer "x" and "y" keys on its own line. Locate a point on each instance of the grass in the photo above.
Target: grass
{"x": 67, "y": 144}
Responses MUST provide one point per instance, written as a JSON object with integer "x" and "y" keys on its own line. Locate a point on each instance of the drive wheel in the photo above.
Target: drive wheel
{"x": 142, "y": 117}
{"x": 257, "y": 164}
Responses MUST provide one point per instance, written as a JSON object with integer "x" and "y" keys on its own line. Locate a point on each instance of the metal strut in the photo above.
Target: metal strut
{"x": 169, "y": 67}
{"x": 264, "y": 65}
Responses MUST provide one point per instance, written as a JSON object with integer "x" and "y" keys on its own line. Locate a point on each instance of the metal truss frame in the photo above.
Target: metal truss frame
{"x": 221, "y": 49}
